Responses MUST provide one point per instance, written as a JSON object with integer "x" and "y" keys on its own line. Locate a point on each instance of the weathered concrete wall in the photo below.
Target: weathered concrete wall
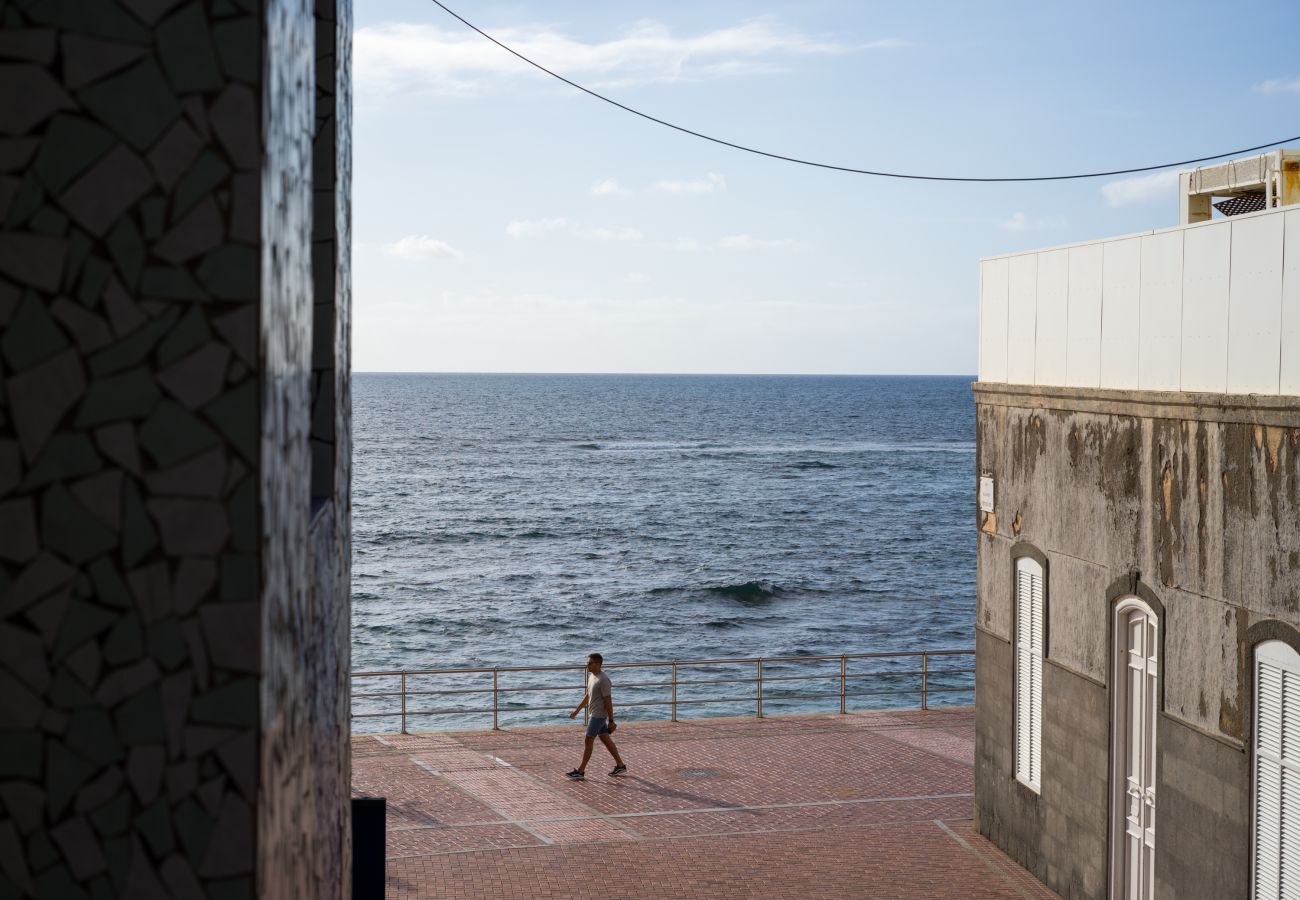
{"x": 1197, "y": 497}
{"x": 161, "y": 660}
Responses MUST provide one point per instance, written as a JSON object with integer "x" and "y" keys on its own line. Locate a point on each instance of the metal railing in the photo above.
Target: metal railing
{"x": 899, "y": 673}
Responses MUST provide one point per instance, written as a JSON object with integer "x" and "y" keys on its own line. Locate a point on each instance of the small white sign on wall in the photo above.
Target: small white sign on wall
{"x": 986, "y": 493}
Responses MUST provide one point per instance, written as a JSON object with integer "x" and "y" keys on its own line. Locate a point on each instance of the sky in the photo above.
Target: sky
{"x": 505, "y": 222}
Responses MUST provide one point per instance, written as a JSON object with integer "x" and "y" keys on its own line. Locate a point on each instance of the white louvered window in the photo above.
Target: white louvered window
{"x": 1276, "y": 813}
{"x": 1029, "y": 671}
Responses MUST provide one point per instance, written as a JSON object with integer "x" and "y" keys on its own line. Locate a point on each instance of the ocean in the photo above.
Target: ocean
{"x": 505, "y": 520}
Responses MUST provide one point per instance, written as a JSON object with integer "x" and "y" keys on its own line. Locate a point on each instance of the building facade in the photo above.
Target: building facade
{"x": 1138, "y": 447}
{"x": 174, "y": 455}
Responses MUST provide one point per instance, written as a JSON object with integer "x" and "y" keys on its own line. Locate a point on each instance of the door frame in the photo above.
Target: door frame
{"x": 1119, "y": 608}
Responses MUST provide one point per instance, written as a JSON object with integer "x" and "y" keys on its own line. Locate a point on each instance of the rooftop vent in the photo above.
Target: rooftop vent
{"x": 1243, "y": 203}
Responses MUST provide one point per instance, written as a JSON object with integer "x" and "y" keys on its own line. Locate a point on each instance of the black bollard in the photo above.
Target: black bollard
{"x": 368, "y": 825}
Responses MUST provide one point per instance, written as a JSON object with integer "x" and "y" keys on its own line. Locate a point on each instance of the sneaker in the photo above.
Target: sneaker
{"x": 576, "y": 775}
{"x": 618, "y": 770}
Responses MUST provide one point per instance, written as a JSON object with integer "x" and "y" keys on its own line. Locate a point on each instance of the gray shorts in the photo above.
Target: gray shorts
{"x": 597, "y": 727}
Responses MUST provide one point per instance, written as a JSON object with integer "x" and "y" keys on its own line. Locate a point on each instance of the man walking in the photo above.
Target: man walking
{"x": 600, "y": 719}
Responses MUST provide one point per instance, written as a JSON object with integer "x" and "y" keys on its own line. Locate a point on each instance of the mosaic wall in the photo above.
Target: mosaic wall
{"x": 156, "y": 319}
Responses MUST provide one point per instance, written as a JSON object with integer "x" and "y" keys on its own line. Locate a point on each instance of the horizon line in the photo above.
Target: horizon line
{"x": 680, "y": 374}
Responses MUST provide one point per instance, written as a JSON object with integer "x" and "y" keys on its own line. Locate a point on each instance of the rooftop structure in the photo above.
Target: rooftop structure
{"x": 1138, "y": 450}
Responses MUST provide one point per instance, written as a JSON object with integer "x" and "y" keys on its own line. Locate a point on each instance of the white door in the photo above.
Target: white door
{"x": 1134, "y": 728}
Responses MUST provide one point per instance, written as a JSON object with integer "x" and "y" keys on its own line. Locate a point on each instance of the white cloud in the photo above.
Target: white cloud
{"x": 706, "y": 185}
{"x": 686, "y": 245}
{"x": 1279, "y": 86}
{"x": 607, "y": 233}
{"x": 534, "y": 227}
{"x": 1021, "y": 222}
{"x": 526, "y": 228}
{"x": 403, "y": 56}
{"x": 1141, "y": 189}
{"x": 745, "y": 242}
{"x": 609, "y": 187}
{"x": 419, "y": 247}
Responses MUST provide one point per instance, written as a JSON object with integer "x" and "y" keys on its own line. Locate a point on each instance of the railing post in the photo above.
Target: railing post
{"x": 843, "y": 673}
{"x": 496, "y": 705}
{"x": 403, "y": 703}
{"x": 674, "y": 690}
{"x": 759, "y": 692}
{"x": 925, "y": 658}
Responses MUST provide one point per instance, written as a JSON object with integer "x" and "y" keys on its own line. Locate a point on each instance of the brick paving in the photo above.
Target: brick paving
{"x": 823, "y": 806}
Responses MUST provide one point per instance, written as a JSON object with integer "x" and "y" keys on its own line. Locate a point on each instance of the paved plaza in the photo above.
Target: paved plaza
{"x": 824, "y": 806}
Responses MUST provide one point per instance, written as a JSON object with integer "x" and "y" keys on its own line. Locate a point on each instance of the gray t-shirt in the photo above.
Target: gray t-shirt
{"x": 598, "y": 688}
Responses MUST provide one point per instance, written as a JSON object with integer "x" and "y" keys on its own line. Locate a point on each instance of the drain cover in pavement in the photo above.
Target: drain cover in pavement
{"x": 699, "y": 773}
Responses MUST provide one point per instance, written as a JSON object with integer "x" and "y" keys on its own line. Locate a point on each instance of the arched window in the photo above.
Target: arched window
{"x": 1030, "y": 597}
{"x": 1276, "y": 811}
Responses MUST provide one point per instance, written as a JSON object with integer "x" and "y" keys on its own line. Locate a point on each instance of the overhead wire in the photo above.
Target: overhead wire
{"x": 849, "y": 169}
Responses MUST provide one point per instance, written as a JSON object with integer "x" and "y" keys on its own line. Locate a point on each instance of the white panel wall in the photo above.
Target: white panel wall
{"x": 1121, "y": 286}
{"x": 1022, "y": 286}
{"x": 1083, "y": 352}
{"x": 1207, "y": 252}
{"x": 1209, "y": 307}
{"x": 1255, "y": 323}
{"x": 993, "y": 320}
{"x": 1052, "y": 306}
{"x": 1290, "y": 355}
{"x": 1160, "y": 312}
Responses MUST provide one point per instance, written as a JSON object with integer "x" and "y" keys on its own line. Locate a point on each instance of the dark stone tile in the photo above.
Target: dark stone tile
{"x": 234, "y": 118}
{"x": 128, "y": 251}
{"x": 125, "y": 642}
{"x": 239, "y": 330}
{"x": 202, "y": 476}
{"x": 243, "y": 520}
{"x": 139, "y": 719}
{"x": 13, "y": 859}
{"x": 235, "y": 415}
{"x": 195, "y": 578}
{"x": 89, "y": 331}
{"x": 40, "y": 397}
{"x": 142, "y": 880}
{"x": 30, "y": 97}
{"x": 11, "y": 467}
{"x": 113, "y": 817}
{"x": 174, "y": 153}
{"x": 167, "y": 644}
{"x": 126, "y": 682}
{"x": 202, "y": 178}
{"x": 179, "y": 877}
{"x": 81, "y": 622}
{"x": 246, "y": 209}
{"x": 135, "y": 347}
{"x": 230, "y": 851}
{"x": 189, "y": 334}
{"x": 16, "y": 153}
{"x": 31, "y": 336}
{"x": 123, "y": 313}
{"x": 86, "y": 663}
{"x": 35, "y": 45}
{"x": 238, "y": 42}
{"x": 139, "y": 537}
{"x": 152, "y": 213}
{"x": 8, "y": 190}
{"x": 43, "y": 576}
{"x": 36, "y": 260}
{"x": 198, "y": 654}
{"x": 182, "y": 779}
{"x": 211, "y": 793}
{"x": 173, "y": 434}
{"x": 171, "y": 283}
{"x": 18, "y": 526}
{"x": 23, "y": 801}
{"x": 233, "y": 703}
{"x": 185, "y": 47}
{"x": 193, "y": 827}
{"x": 190, "y": 527}
{"x": 20, "y": 757}
{"x": 101, "y": 196}
{"x": 239, "y": 758}
{"x": 199, "y": 378}
{"x": 151, "y": 587}
{"x": 154, "y": 826}
{"x": 87, "y": 59}
{"x": 230, "y": 629}
{"x": 144, "y": 769}
{"x": 68, "y": 455}
{"x": 117, "y": 442}
{"x": 150, "y": 11}
{"x": 197, "y": 233}
{"x": 137, "y": 104}
{"x": 80, "y": 848}
{"x": 20, "y": 707}
{"x": 232, "y": 272}
{"x": 130, "y": 395}
{"x": 23, "y": 653}
{"x": 103, "y": 18}
{"x": 102, "y": 495}
{"x": 71, "y": 144}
